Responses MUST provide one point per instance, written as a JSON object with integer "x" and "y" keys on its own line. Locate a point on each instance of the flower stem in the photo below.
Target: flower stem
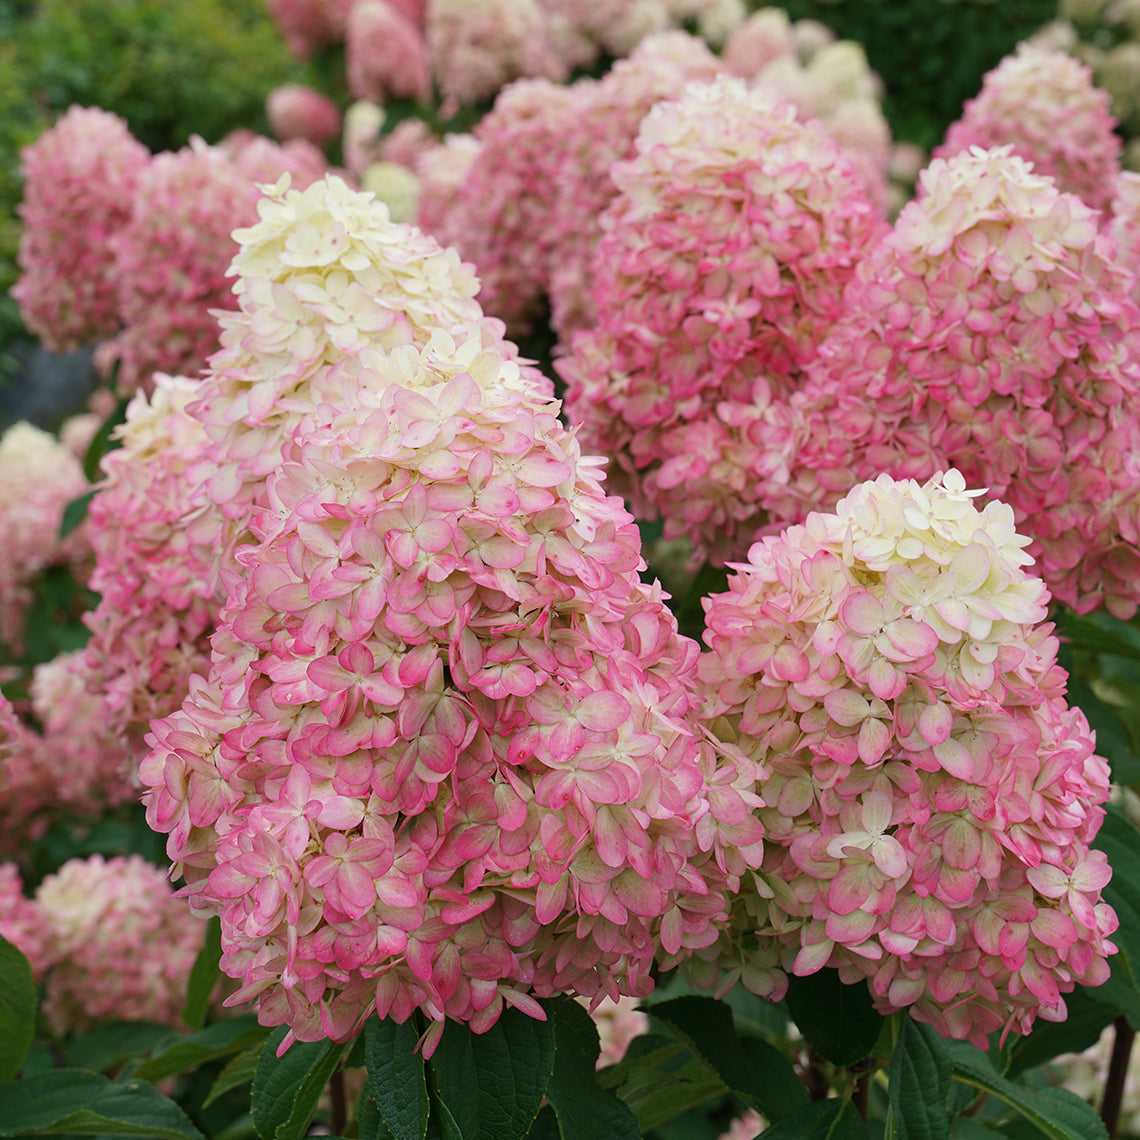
{"x": 1117, "y": 1072}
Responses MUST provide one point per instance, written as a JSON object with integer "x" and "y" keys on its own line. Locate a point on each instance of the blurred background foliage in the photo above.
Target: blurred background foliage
{"x": 931, "y": 54}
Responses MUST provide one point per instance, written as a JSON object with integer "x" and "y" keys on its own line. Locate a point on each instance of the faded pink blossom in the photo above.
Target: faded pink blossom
{"x": 310, "y": 24}
{"x": 721, "y": 268}
{"x": 930, "y": 799}
{"x": 1043, "y": 104}
{"x": 299, "y": 112}
{"x": 79, "y": 183}
{"x": 385, "y": 54}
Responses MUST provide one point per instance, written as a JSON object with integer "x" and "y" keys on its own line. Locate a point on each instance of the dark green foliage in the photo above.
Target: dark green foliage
{"x": 931, "y": 54}
{"x": 170, "y": 69}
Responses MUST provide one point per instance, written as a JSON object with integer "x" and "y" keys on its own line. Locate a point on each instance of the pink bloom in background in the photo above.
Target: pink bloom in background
{"x": 442, "y": 204}
{"x": 477, "y": 48}
{"x": 40, "y": 476}
{"x": 20, "y": 921}
{"x": 171, "y": 257}
{"x": 506, "y": 223}
{"x": 385, "y": 54}
{"x": 446, "y": 756}
{"x": 79, "y": 182}
{"x": 299, "y": 112}
{"x": 763, "y": 38}
{"x": 721, "y": 267}
{"x": 119, "y": 944}
{"x": 310, "y": 24}
{"x": 363, "y": 122}
{"x": 407, "y": 142}
{"x": 618, "y": 1022}
{"x": 604, "y": 132}
{"x": 992, "y": 331}
{"x": 1043, "y": 104}
{"x": 158, "y": 606}
{"x": 1124, "y": 226}
{"x": 747, "y": 1126}
{"x": 930, "y": 800}
{"x": 837, "y": 87}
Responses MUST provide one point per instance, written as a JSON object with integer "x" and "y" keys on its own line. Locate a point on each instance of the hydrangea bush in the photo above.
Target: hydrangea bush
{"x": 470, "y": 836}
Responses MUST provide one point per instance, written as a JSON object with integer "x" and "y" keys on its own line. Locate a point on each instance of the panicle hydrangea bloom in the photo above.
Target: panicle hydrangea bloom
{"x": 22, "y": 789}
{"x": 79, "y": 181}
{"x": 1043, "y": 104}
{"x": 930, "y": 799}
{"x": 505, "y": 221}
{"x": 396, "y": 186}
{"x": 722, "y": 266}
{"x": 763, "y": 38}
{"x": 119, "y": 944}
{"x": 171, "y": 257}
{"x": 442, "y": 204}
{"x": 1124, "y": 227}
{"x": 837, "y": 87}
{"x": 477, "y": 48}
{"x": 150, "y": 630}
{"x": 40, "y": 476}
{"x": 87, "y": 765}
{"x": 310, "y": 24}
{"x": 363, "y": 122}
{"x": 445, "y": 757}
{"x": 991, "y": 331}
{"x": 299, "y": 112}
{"x": 407, "y": 142}
{"x": 601, "y": 133}
{"x": 385, "y": 54}
{"x": 20, "y": 921}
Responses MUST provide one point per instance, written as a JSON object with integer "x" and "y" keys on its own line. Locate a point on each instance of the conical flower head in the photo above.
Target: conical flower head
{"x": 446, "y": 755}
{"x": 930, "y": 800}
{"x": 721, "y": 268}
{"x": 992, "y": 331}
{"x": 1043, "y": 103}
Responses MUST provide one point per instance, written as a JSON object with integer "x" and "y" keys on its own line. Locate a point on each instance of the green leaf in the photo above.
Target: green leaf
{"x": 1057, "y": 1113}
{"x": 107, "y": 1046}
{"x": 75, "y": 512}
{"x": 1087, "y": 1017}
{"x": 17, "y": 1009}
{"x": 237, "y": 1072}
{"x": 823, "y": 1120}
{"x": 1100, "y": 635}
{"x": 203, "y": 976}
{"x": 78, "y": 1103}
{"x": 101, "y": 442}
{"x": 369, "y": 1122}
{"x": 919, "y": 1083}
{"x": 758, "y": 1073}
{"x": 839, "y": 1022}
{"x": 217, "y": 1040}
{"x": 493, "y": 1083}
{"x": 584, "y": 1109}
{"x": 396, "y": 1080}
{"x": 286, "y": 1089}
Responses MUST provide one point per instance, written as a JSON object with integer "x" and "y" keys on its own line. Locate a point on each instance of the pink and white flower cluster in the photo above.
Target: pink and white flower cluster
{"x": 40, "y": 476}
{"x": 120, "y": 244}
{"x": 1043, "y": 104}
{"x": 446, "y": 757}
{"x": 929, "y": 797}
{"x": 158, "y": 600}
{"x": 721, "y": 267}
{"x": 118, "y": 943}
{"x": 992, "y": 331}
{"x": 20, "y": 921}
{"x": 79, "y": 182}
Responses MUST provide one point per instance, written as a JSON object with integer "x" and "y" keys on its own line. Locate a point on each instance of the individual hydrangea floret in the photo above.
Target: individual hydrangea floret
{"x": 119, "y": 944}
{"x": 445, "y": 758}
{"x": 930, "y": 799}
{"x": 991, "y": 331}
{"x": 721, "y": 267}
{"x": 1044, "y": 105}
{"x": 79, "y": 183}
